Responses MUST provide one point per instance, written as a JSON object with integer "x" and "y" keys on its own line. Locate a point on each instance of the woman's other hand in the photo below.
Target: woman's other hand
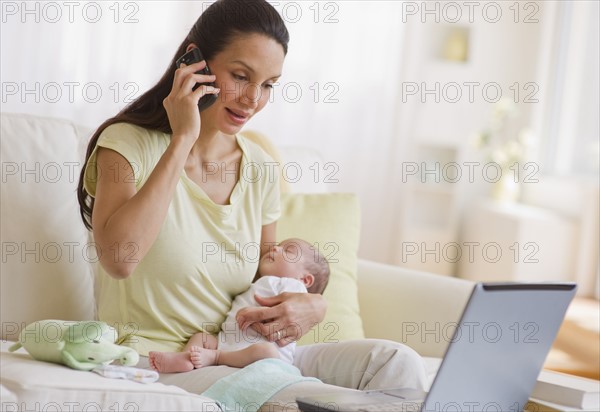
{"x": 182, "y": 102}
{"x": 284, "y": 318}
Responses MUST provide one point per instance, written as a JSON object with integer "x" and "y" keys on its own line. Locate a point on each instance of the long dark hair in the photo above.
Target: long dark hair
{"x": 214, "y": 30}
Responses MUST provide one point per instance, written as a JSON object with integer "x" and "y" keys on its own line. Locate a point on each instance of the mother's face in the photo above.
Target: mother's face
{"x": 245, "y": 72}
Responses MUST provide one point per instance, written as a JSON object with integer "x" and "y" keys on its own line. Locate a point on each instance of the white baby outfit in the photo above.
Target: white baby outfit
{"x": 231, "y": 337}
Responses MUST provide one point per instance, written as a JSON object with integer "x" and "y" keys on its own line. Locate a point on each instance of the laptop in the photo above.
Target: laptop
{"x": 492, "y": 361}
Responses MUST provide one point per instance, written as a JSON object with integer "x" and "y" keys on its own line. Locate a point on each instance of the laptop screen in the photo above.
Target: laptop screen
{"x": 499, "y": 347}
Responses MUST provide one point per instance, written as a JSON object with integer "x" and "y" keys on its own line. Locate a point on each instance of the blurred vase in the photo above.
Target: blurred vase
{"x": 507, "y": 189}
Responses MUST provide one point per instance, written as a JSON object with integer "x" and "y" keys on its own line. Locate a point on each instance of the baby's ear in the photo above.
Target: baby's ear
{"x": 308, "y": 279}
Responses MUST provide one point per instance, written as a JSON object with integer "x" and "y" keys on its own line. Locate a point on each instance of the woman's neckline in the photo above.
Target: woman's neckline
{"x": 238, "y": 188}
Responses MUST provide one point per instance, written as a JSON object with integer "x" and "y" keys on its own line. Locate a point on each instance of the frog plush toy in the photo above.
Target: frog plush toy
{"x": 79, "y": 345}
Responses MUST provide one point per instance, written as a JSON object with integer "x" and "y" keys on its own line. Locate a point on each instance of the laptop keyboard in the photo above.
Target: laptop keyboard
{"x": 390, "y": 407}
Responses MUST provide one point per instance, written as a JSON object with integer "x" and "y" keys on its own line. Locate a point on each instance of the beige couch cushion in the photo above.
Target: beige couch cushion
{"x": 45, "y": 263}
{"x": 331, "y": 222}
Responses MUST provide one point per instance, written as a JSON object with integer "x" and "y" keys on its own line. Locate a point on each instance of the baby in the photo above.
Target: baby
{"x": 292, "y": 266}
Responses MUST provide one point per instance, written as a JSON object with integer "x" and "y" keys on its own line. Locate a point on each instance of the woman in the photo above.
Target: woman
{"x": 173, "y": 211}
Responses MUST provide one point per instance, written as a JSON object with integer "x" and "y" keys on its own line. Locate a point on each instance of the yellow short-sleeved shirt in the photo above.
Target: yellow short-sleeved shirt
{"x": 205, "y": 253}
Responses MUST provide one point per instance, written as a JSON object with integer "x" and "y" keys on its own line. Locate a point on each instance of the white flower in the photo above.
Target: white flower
{"x": 526, "y": 138}
{"x": 499, "y": 156}
{"x": 514, "y": 150}
{"x": 505, "y": 107}
{"x": 498, "y": 144}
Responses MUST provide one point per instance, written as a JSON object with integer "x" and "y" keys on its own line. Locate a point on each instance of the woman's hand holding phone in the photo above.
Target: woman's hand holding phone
{"x": 182, "y": 102}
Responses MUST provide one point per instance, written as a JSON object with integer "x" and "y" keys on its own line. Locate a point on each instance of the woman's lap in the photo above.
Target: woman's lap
{"x": 363, "y": 364}
{"x": 359, "y": 364}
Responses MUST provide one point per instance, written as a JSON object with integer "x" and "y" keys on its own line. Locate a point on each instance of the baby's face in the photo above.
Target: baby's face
{"x": 285, "y": 260}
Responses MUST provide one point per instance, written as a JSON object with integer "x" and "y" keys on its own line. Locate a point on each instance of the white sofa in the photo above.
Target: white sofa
{"x": 47, "y": 273}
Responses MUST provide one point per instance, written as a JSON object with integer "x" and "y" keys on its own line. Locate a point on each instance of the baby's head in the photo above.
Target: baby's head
{"x": 296, "y": 258}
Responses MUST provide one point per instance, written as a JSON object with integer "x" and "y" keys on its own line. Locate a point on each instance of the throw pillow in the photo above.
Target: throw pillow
{"x": 331, "y": 222}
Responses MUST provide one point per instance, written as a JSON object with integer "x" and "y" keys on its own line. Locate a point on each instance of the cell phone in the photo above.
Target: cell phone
{"x": 191, "y": 57}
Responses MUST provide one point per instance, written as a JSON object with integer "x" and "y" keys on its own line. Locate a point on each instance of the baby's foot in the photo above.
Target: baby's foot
{"x": 170, "y": 362}
{"x": 201, "y": 357}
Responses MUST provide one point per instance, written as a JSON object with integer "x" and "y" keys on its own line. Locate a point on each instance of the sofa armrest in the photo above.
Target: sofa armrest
{"x": 416, "y": 308}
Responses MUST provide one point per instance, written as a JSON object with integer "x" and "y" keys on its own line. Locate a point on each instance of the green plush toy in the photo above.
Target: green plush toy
{"x": 79, "y": 345}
